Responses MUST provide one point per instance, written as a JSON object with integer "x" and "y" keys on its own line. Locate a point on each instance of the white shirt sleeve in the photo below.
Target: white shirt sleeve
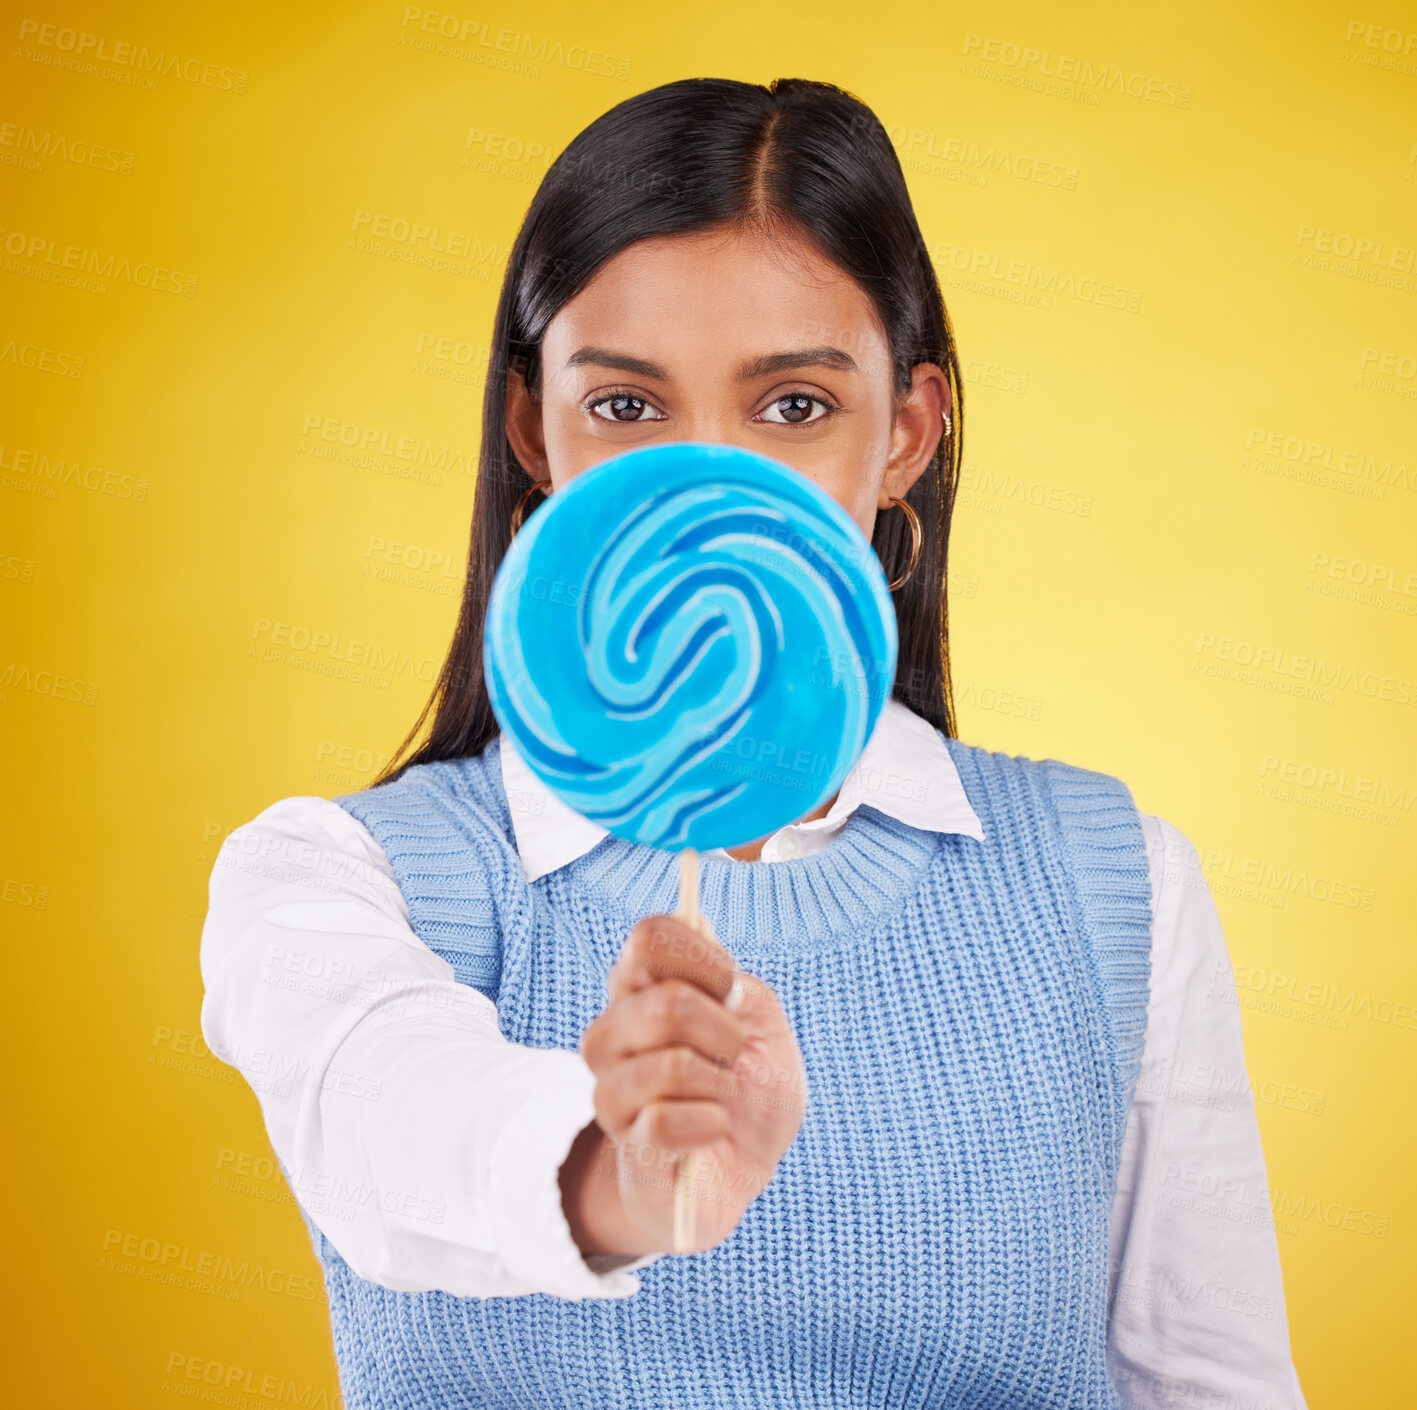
{"x": 419, "y": 1140}
{"x": 1197, "y": 1312}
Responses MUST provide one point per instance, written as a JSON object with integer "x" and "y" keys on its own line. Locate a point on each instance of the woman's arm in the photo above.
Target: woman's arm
{"x": 1197, "y": 1310}
{"x": 421, "y": 1142}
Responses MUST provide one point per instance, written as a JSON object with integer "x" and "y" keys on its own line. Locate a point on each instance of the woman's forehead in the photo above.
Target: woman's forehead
{"x": 688, "y": 298}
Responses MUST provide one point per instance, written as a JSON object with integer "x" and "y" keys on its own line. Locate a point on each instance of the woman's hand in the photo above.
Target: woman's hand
{"x": 678, "y": 1075}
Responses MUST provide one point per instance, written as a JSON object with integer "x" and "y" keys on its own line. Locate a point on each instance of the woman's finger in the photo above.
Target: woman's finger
{"x": 665, "y": 947}
{"x": 671, "y": 1011}
{"x": 679, "y": 1125}
{"x": 677, "y": 1072}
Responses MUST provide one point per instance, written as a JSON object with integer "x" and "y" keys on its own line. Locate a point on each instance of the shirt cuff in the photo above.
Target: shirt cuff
{"x": 533, "y": 1237}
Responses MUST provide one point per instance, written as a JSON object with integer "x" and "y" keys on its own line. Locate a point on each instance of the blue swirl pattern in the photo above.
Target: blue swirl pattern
{"x": 690, "y": 644}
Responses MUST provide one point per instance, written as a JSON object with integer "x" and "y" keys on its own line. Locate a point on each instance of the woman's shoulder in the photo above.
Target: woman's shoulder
{"x": 446, "y": 816}
{"x": 982, "y": 757}
{"x": 303, "y": 842}
{"x": 298, "y": 821}
{"x": 467, "y": 792}
{"x": 1079, "y": 790}
{"x": 440, "y": 820}
{"x": 1081, "y": 796}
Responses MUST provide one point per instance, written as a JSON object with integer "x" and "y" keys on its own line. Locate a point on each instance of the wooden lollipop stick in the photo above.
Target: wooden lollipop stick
{"x": 688, "y": 911}
{"x": 690, "y": 914}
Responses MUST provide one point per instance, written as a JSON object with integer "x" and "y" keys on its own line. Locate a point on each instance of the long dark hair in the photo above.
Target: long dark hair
{"x": 794, "y": 156}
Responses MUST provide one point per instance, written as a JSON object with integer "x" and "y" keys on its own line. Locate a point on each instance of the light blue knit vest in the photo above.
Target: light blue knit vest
{"x": 972, "y": 1017}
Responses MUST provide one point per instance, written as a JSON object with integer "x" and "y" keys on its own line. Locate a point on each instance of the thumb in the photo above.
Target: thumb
{"x": 737, "y": 992}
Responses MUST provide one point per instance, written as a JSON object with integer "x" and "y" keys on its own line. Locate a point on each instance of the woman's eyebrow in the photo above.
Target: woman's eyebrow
{"x": 747, "y": 371}
{"x": 802, "y": 357}
{"x": 621, "y": 362}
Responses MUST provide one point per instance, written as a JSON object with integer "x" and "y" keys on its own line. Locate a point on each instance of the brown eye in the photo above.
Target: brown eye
{"x": 623, "y": 407}
{"x": 795, "y": 410}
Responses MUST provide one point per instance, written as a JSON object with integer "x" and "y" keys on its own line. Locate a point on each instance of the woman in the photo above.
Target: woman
{"x": 944, "y": 1169}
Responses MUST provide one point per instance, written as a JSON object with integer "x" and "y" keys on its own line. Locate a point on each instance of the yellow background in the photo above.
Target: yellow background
{"x": 1157, "y": 498}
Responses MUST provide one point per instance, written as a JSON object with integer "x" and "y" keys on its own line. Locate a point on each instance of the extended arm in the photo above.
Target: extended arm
{"x": 1197, "y": 1313}
{"x": 422, "y": 1143}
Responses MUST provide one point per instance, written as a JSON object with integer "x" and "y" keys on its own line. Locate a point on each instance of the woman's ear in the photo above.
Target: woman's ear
{"x": 525, "y": 434}
{"x": 919, "y": 424}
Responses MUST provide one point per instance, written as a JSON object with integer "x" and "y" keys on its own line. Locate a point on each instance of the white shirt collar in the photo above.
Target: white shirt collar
{"x": 905, "y": 770}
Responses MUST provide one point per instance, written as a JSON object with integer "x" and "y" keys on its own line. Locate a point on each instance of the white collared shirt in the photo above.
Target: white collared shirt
{"x": 427, "y": 1147}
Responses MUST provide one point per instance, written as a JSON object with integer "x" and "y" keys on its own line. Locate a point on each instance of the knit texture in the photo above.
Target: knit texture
{"x": 971, "y": 1015}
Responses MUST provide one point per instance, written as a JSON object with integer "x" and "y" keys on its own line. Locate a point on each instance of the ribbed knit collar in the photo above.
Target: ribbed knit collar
{"x": 893, "y": 808}
{"x": 905, "y": 771}
{"x": 843, "y": 891}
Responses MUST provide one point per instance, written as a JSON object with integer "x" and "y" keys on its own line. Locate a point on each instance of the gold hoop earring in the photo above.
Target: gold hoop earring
{"x": 915, "y": 542}
{"x": 519, "y": 513}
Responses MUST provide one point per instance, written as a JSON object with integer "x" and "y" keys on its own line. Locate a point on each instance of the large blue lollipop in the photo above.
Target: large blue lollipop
{"x": 690, "y": 645}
